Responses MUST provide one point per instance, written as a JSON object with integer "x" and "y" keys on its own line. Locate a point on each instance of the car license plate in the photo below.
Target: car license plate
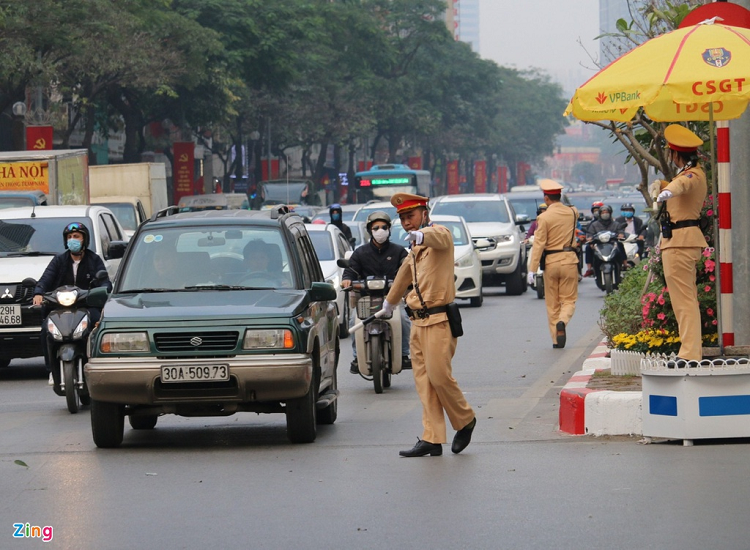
{"x": 10, "y": 315}
{"x": 194, "y": 373}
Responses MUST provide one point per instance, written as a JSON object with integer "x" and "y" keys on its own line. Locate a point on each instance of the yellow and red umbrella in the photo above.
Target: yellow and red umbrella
{"x": 677, "y": 76}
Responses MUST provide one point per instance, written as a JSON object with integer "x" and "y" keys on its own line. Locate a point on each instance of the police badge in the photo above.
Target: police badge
{"x": 717, "y": 57}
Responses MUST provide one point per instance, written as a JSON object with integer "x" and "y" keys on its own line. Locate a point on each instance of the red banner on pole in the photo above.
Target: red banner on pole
{"x": 452, "y": 177}
{"x": 38, "y": 138}
{"x": 415, "y": 163}
{"x": 363, "y": 166}
{"x": 480, "y": 176}
{"x": 184, "y": 166}
{"x": 502, "y": 179}
{"x": 274, "y": 169}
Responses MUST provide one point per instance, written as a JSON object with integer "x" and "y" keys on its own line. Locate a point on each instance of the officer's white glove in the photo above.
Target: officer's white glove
{"x": 388, "y": 307}
{"x": 654, "y": 188}
{"x": 664, "y": 196}
{"x": 530, "y": 277}
{"x": 417, "y": 237}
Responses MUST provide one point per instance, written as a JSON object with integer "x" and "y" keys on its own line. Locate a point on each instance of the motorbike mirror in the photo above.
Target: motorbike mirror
{"x": 97, "y": 297}
{"x": 101, "y": 275}
{"x": 343, "y": 262}
{"x": 28, "y": 282}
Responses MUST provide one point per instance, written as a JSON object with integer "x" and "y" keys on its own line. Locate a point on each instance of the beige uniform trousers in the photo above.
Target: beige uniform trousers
{"x": 560, "y": 294}
{"x": 432, "y": 348}
{"x": 680, "y": 266}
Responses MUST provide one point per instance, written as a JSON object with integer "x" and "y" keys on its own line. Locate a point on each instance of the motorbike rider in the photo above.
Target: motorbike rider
{"x": 379, "y": 258}
{"x": 634, "y": 225}
{"x": 541, "y": 209}
{"x": 605, "y": 222}
{"x": 77, "y": 266}
{"x": 337, "y": 219}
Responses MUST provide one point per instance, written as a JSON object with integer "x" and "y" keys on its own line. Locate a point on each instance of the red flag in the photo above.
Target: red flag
{"x": 452, "y": 176}
{"x": 480, "y": 176}
{"x": 38, "y": 138}
{"x": 184, "y": 166}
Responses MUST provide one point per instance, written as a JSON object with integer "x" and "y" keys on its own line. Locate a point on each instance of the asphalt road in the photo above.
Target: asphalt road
{"x": 236, "y": 482}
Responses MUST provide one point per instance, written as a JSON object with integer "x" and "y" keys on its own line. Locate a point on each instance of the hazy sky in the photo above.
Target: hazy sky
{"x": 543, "y": 34}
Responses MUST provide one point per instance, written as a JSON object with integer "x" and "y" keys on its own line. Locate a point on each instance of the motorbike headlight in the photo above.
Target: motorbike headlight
{"x": 464, "y": 261}
{"x": 53, "y": 330}
{"x": 504, "y": 238}
{"x": 81, "y": 328}
{"x": 604, "y": 237}
{"x": 124, "y": 342}
{"x": 67, "y": 297}
{"x": 376, "y": 284}
{"x": 268, "y": 339}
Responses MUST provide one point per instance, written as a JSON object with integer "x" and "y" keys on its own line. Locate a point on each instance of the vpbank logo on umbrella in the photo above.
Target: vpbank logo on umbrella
{"x": 717, "y": 57}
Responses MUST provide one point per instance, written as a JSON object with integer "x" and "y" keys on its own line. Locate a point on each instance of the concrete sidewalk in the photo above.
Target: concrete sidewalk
{"x": 585, "y": 411}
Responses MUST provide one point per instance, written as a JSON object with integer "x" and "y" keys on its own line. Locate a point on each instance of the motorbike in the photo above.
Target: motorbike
{"x": 630, "y": 246}
{"x": 68, "y": 325}
{"x": 379, "y": 342}
{"x": 608, "y": 259}
{"x": 538, "y": 281}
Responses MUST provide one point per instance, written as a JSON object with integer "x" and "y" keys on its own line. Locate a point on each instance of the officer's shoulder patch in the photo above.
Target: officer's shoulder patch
{"x": 689, "y": 175}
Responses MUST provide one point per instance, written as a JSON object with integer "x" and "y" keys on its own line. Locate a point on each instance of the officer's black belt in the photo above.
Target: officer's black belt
{"x": 565, "y": 249}
{"x": 684, "y": 223}
{"x": 425, "y": 312}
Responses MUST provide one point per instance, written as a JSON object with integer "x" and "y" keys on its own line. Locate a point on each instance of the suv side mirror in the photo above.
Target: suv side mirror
{"x": 321, "y": 292}
{"x": 116, "y": 250}
{"x": 97, "y": 297}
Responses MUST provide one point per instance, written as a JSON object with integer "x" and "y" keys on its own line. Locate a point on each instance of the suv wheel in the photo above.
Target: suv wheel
{"x": 107, "y": 423}
{"x": 515, "y": 284}
{"x": 301, "y": 412}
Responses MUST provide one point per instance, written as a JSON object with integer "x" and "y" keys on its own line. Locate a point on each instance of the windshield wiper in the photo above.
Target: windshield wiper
{"x": 31, "y": 253}
{"x": 139, "y": 290}
{"x": 215, "y": 287}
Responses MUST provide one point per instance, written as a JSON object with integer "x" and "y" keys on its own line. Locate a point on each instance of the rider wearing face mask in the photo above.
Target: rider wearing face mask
{"x": 605, "y": 222}
{"x": 379, "y": 258}
{"x": 633, "y": 225}
{"x": 337, "y": 219}
{"x": 77, "y": 266}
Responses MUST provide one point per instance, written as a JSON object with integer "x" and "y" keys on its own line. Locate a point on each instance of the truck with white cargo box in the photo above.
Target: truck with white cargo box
{"x": 62, "y": 175}
{"x": 134, "y": 192}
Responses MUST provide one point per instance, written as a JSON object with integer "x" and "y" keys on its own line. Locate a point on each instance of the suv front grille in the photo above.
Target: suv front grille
{"x": 15, "y": 294}
{"x": 196, "y": 341}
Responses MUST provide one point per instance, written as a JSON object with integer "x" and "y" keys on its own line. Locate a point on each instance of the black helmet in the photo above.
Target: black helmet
{"x": 606, "y": 208}
{"x": 378, "y": 215}
{"x": 74, "y": 227}
{"x": 627, "y": 206}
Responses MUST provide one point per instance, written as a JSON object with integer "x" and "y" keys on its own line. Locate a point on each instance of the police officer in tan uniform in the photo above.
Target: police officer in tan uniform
{"x": 555, "y": 238}
{"x": 681, "y": 251}
{"x": 432, "y": 344}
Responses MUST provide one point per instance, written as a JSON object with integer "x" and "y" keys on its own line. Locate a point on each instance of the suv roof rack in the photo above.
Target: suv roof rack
{"x": 279, "y": 210}
{"x": 168, "y": 211}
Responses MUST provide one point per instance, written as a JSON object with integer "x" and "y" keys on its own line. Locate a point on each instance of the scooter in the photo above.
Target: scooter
{"x": 379, "y": 342}
{"x": 607, "y": 260}
{"x": 538, "y": 280}
{"x": 68, "y": 326}
{"x": 630, "y": 245}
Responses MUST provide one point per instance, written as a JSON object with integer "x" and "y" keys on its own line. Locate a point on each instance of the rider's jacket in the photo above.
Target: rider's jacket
{"x": 600, "y": 225}
{"x": 59, "y": 272}
{"x": 368, "y": 260}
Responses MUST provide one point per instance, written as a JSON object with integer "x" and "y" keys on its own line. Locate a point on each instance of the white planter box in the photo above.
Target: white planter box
{"x": 696, "y": 403}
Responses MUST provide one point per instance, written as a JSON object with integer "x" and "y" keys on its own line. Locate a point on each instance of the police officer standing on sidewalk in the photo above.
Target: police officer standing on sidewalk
{"x": 555, "y": 242}
{"x": 429, "y": 268}
{"x": 682, "y": 239}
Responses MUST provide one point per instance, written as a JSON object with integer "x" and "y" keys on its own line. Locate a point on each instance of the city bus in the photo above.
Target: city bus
{"x": 382, "y": 181}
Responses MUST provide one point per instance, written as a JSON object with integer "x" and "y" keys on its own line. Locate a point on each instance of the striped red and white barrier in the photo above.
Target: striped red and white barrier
{"x": 726, "y": 285}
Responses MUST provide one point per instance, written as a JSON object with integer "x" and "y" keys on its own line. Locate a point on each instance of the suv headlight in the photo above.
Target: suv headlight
{"x": 268, "y": 339}
{"x": 464, "y": 261}
{"x": 124, "y": 342}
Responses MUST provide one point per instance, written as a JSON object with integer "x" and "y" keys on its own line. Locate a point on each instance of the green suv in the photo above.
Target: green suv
{"x": 214, "y": 313}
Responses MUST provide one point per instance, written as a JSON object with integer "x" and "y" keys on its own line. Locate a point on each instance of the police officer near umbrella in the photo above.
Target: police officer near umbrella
{"x": 682, "y": 239}
{"x": 429, "y": 268}
{"x": 555, "y": 240}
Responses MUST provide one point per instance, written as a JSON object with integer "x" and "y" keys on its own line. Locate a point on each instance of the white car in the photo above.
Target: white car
{"x": 29, "y": 238}
{"x": 375, "y": 206}
{"x": 330, "y": 246}
{"x": 491, "y": 219}
{"x": 467, "y": 266}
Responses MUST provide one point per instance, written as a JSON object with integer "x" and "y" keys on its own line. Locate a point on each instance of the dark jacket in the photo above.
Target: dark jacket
{"x": 345, "y": 230}
{"x": 59, "y": 272}
{"x": 638, "y": 224}
{"x": 368, "y": 260}
{"x": 600, "y": 225}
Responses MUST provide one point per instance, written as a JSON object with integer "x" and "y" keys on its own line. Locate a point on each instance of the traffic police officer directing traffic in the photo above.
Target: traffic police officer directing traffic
{"x": 681, "y": 251}
{"x": 429, "y": 267}
{"x": 555, "y": 241}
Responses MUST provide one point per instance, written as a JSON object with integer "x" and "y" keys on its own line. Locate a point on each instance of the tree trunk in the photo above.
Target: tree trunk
{"x": 134, "y": 123}
{"x": 88, "y": 134}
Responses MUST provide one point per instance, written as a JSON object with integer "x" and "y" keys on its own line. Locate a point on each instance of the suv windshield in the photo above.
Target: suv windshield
{"x": 35, "y": 235}
{"x": 178, "y": 258}
{"x": 474, "y": 211}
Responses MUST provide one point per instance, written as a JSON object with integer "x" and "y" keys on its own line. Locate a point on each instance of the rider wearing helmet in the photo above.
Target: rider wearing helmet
{"x": 337, "y": 219}
{"x": 541, "y": 209}
{"x": 633, "y": 225}
{"x": 77, "y": 266}
{"x": 605, "y": 222}
{"x": 379, "y": 258}
{"x": 595, "y": 206}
